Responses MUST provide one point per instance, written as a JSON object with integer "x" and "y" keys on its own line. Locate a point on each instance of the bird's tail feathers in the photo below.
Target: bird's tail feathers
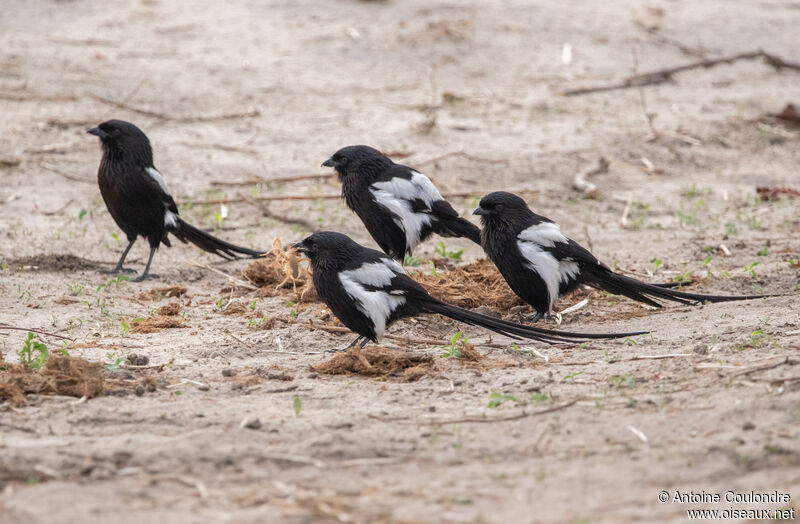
{"x": 459, "y": 227}
{"x": 646, "y": 293}
{"x": 185, "y": 232}
{"x": 515, "y": 330}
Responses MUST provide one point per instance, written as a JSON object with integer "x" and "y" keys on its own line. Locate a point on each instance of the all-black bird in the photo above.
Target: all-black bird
{"x": 368, "y": 290}
{"x": 399, "y": 206}
{"x": 138, "y": 199}
{"x": 539, "y": 262}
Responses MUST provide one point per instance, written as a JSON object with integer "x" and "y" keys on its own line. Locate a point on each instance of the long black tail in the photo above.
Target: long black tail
{"x": 630, "y": 287}
{"x": 458, "y": 227}
{"x": 188, "y": 233}
{"x": 513, "y": 330}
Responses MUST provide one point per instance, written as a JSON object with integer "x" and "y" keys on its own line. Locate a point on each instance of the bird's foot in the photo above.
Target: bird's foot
{"x": 533, "y": 317}
{"x": 115, "y": 271}
{"x": 336, "y": 350}
{"x": 145, "y": 276}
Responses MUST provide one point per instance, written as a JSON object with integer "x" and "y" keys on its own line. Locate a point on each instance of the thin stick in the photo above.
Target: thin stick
{"x": 277, "y": 180}
{"x": 581, "y": 182}
{"x": 182, "y": 119}
{"x": 660, "y": 76}
{"x": 265, "y": 211}
{"x": 238, "y": 282}
{"x": 761, "y": 367}
{"x": 240, "y": 340}
{"x": 460, "y": 154}
{"x": 454, "y": 194}
{"x": 657, "y": 357}
{"x": 484, "y": 420}
{"x": 66, "y": 175}
{"x": 34, "y": 330}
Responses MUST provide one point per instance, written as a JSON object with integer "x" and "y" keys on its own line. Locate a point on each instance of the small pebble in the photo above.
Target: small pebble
{"x": 228, "y": 372}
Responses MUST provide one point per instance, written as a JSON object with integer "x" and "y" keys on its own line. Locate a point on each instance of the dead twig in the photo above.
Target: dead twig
{"x": 237, "y": 281}
{"x": 181, "y": 119}
{"x": 265, "y": 211}
{"x": 66, "y": 175}
{"x": 34, "y": 330}
{"x": 461, "y": 154}
{"x": 660, "y": 76}
{"x": 581, "y": 182}
{"x": 277, "y": 180}
{"x": 485, "y": 420}
{"x": 336, "y": 196}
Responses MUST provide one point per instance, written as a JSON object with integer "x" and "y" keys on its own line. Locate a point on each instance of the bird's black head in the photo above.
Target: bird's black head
{"x": 118, "y": 136}
{"x": 358, "y": 161}
{"x": 501, "y": 206}
{"x": 327, "y": 248}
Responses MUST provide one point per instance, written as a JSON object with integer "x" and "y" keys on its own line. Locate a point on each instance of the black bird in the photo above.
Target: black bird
{"x": 138, "y": 199}
{"x": 399, "y": 206}
{"x": 539, "y": 263}
{"x": 368, "y": 290}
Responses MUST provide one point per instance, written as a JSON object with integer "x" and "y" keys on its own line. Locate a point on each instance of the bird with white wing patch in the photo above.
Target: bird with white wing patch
{"x": 399, "y": 206}
{"x": 368, "y": 291}
{"x": 138, "y": 199}
{"x": 540, "y": 263}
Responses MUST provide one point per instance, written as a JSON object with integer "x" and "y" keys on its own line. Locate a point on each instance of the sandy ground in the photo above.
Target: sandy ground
{"x": 245, "y": 90}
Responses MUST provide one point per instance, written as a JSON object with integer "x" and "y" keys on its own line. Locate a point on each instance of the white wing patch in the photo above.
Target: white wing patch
{"x": 377, "y": 304}
{"x": 170, "y": 219}
{"x": 397, "y": 194}
{"x": 531, "y": 242}
{"x": 545, "y": 234}
{"x": 159, "y": 178}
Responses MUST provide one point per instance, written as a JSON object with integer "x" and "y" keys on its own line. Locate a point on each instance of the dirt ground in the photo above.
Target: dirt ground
{"x": 231, "y": 416}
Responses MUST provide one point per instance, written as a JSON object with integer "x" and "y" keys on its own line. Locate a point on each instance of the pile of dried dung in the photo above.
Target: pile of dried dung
{"x": 71, "y": 376}
{"x": 170, "y": 310}
{"x": 470, "y": 286}
{"x": 377, "y": 361}
{"x": 282, "y": 272}
{"x": 156, "y": 324}
{"x": 161, "y": 292}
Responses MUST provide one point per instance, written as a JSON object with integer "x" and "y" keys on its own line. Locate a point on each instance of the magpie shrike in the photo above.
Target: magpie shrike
{"x": 138, "y": 199}
{"x": 399, "y": 206}
{"x": 368, "y": 290}
{"x": 539, "y": 263}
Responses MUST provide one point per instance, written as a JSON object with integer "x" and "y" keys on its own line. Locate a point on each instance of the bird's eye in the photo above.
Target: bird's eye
{"x": 499, "y": 207}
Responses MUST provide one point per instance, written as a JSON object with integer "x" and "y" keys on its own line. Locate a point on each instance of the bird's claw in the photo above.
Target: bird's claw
{"x": 141, "y": 278}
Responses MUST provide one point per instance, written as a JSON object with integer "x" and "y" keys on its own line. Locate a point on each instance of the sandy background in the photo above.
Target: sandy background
{"x": 242, "y": 91}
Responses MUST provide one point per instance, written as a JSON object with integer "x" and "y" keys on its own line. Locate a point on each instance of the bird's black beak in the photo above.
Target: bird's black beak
{"x": 299, "y": 247}
{"x": 96, "y": 132}
{"x": 329, "y": 163}
{"x": 480, "y": 211}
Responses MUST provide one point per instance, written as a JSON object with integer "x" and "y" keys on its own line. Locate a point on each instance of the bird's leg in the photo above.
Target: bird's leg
{"x": 364, "y": 342}
{"x": 351, "y": 344}
{"x": 534, "y": 317}
{"x": 118, "y": 267}
{"x": 147, "y": 267}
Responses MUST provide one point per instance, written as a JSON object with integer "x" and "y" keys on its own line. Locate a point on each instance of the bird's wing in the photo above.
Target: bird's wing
{"x": 556, "y": 258}
{"x": 377, "y": 285}
{"x": 415, "y": 188}
{"x": 156, "y": 180}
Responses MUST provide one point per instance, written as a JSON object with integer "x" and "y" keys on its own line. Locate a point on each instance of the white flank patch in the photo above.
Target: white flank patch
{"x": 170, "y": 219}
{"x": 378, "y": 305}
{"x": 159, "y": 178}
{"x": 406, "y": 219}
{"x": 418, "y": 187}
{"x": 545, "y": 234}
{"x": 549, "y": 268}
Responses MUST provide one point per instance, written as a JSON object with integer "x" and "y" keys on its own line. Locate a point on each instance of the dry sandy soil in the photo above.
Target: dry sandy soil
{"x": 247, "y": 91}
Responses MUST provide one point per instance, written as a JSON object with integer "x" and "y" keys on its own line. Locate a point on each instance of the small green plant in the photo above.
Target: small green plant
{"x": 411, "y": 260}
{"x": 762, "y": 252}
{"x": 622, "y": 380}
{"x": 298, "y": 406}
{"x": 219, "y": 221}
{"x": 220, "y": 303}
{"x": 113, "y": 362}
{"x": 4, "y": 266}
{"x": 442, "y": 251}
{"x": 538, "y": 398}
{"x": 75, "y": 289}
{"x": 571, "y": 376}
{"x": 658, "y": 262}
{"x": 684, "y": 278}
{"x": 82, "y": 213}
{"x": 452, "y": 350}
{"x": 34, "y": 353}
{"x": 497, "y": 399}
{"x": 125, "y": 328}
{"x": 292, "y": 312}
{"x": 253, "y": 305}
{"x": 751, "y": 269}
